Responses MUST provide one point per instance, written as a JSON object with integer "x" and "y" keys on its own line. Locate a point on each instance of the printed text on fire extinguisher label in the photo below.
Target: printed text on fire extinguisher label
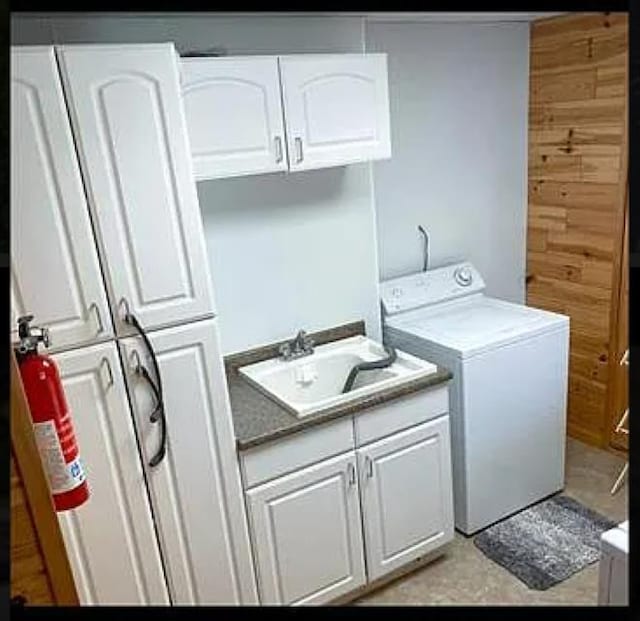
{"x": 63, "y": 476}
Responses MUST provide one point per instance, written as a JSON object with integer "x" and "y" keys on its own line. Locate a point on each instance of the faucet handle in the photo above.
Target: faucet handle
{"x": 305, "y": 341}
{"x": 285, "y": 350}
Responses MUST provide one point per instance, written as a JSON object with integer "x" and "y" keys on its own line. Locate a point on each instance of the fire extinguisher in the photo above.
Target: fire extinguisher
{"x": 52, "y": 425}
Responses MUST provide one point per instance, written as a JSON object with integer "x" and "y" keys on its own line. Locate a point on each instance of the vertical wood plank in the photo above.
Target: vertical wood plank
{"x": 29, "y": 578}
{"x": 577, "y": 177}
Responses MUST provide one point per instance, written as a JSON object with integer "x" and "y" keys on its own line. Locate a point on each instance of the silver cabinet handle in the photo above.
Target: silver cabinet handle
{"x": 351, "y": 473}
{"x": 134, "y": 357}
{"x": 124, "y": 303}
{"x": 368, "y": 467}
{"x": 94, "y": 307}
{"x": 104, "y": 363}
{"x": 299, "y": 154}
{"x": 278, "y": 147}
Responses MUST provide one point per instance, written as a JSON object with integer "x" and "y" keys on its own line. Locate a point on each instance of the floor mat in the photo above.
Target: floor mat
{"x": 546, "y": 543}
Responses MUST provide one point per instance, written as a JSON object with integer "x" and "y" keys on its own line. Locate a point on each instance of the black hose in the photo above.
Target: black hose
{"x": 369, "y": 366}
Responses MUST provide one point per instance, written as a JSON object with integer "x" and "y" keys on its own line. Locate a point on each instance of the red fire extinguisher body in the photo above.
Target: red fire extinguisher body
{"x": 53, "y": 430}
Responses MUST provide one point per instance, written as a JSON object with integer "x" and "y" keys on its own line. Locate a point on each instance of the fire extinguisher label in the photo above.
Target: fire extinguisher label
{"x": 63, "y": 476}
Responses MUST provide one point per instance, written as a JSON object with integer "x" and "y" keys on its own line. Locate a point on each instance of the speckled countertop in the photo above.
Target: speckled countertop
{"x": 258, "y": 419}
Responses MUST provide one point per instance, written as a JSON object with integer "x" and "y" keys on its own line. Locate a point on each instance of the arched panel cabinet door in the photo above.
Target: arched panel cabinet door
{"x": 336, "y": 109}
{"x": 234, "y": 115}
{"x": 306, "y": 529}
{"x": 110, "y": 539}
{"x": 195, "y": 486}
{"x": 128, "y": 119}
{"x": 55, "y": 273}
{"x": 407, "y": 497}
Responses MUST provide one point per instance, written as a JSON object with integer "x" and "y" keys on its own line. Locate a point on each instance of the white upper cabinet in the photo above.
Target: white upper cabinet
{"x": 234, "y": 115}
{"x": 110, "y": 539}
{"x": 407, "y": 496}
{"x": 336, "y": 112}
{"x": 336, "y": 109}
{"x": 55, "y": 273}
{"x": 195, "y": 488}
{"x": 127, "y": 115}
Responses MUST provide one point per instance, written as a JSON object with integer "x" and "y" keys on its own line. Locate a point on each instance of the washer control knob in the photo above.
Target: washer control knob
{"x": 463, "y": 276}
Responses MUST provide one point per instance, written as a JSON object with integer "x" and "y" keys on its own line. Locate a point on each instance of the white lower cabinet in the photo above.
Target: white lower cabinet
{"x": 389, "y": 501}
{"x": 195, "y": 489}
{"x": 307, "y": 533}
{"x": 406, "y": 493}
{"x": 110, "y": 539}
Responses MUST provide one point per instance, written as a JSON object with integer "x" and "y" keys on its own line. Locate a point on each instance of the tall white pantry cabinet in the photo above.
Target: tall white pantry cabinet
{"x": 108, "y": 252}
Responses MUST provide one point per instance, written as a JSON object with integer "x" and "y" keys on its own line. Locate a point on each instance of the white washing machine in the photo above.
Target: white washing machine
{"x": 508, "y": 395}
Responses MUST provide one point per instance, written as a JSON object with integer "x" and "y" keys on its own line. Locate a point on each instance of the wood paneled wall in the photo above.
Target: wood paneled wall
{"x": 29, "y": 577}
{"x": 577, "y": 180}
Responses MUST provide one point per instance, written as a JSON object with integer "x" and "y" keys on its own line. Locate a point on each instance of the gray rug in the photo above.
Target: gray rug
{"x": 546, "y": 543}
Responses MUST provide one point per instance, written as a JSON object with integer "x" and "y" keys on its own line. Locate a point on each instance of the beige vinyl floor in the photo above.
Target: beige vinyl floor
{"x": 464, "y": 576}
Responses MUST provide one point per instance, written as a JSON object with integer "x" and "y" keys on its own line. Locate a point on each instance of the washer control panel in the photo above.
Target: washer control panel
{"x": 430, "y": 287}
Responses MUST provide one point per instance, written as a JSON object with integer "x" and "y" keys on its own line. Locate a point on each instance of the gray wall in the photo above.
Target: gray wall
{"x": 299, "y": 250}
{"x": 459, "y": 96}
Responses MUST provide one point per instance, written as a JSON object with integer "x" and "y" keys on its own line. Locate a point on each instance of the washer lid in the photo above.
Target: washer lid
{"x": 477, "y": 323}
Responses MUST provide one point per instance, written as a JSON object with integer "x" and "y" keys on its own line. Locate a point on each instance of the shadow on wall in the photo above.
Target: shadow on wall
{"x": 290, "y": 251}
{"x": 273, "y": 191}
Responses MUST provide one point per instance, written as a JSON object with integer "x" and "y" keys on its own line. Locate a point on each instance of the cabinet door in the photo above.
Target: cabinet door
{"x": 306, "y": 533}
{"x": 55, "y": 274}
{"x": 234, "y": 115}
{"x": 336, "y": 109}
{"x": 110, "y": 539}
{"x": 127, "y": 114}
{"x": 195, "y": 490}
{"x": 406, "y": 495}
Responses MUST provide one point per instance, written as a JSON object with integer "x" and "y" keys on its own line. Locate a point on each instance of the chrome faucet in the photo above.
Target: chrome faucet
{"x": 301, "y": 345}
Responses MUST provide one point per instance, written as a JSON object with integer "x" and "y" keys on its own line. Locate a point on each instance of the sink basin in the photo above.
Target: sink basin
{"x": 315, "y": 382}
